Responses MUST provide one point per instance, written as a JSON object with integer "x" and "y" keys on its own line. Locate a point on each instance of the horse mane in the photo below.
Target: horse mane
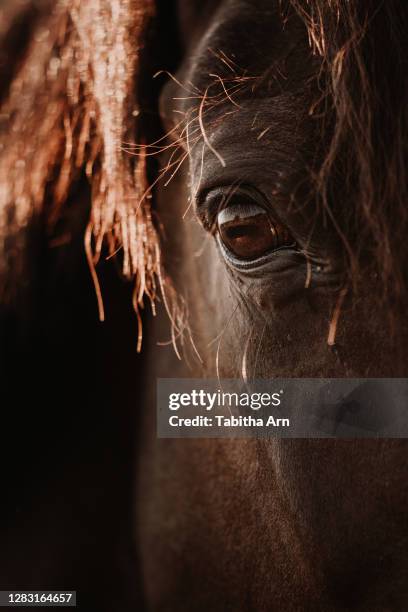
{"x": 69, "y": 104}
{"x": 364, "y": 93}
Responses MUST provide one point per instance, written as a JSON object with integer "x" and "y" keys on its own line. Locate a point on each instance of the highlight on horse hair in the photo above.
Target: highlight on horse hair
{"x": 364, "y": 92}
{"x": 68, "y": 106}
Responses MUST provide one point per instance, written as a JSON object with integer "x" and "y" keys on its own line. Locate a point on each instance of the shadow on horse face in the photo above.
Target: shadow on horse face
{"x": 241, "y": 109}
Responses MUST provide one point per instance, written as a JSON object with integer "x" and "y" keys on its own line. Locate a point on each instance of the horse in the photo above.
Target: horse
{"x": 278, "y": 279}
{"x": 257, "y": 200}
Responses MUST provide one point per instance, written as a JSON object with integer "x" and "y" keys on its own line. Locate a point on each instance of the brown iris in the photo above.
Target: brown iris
{"x": 248, "y": 232}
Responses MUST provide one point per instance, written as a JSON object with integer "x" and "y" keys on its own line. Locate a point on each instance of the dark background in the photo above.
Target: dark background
{"x": 69, "y": 428}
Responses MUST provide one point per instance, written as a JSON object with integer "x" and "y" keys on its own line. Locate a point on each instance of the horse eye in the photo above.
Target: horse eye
{"x": 248, "y": 232}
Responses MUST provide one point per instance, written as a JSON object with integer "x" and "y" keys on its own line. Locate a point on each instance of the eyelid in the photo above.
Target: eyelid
{"x": 229, "y": 213}
{"x": 254, "y": 265}
{"x": 210, "y": 202}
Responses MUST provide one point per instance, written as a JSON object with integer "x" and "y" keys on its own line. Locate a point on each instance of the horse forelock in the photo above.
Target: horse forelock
{"x": 69, "y": 106}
